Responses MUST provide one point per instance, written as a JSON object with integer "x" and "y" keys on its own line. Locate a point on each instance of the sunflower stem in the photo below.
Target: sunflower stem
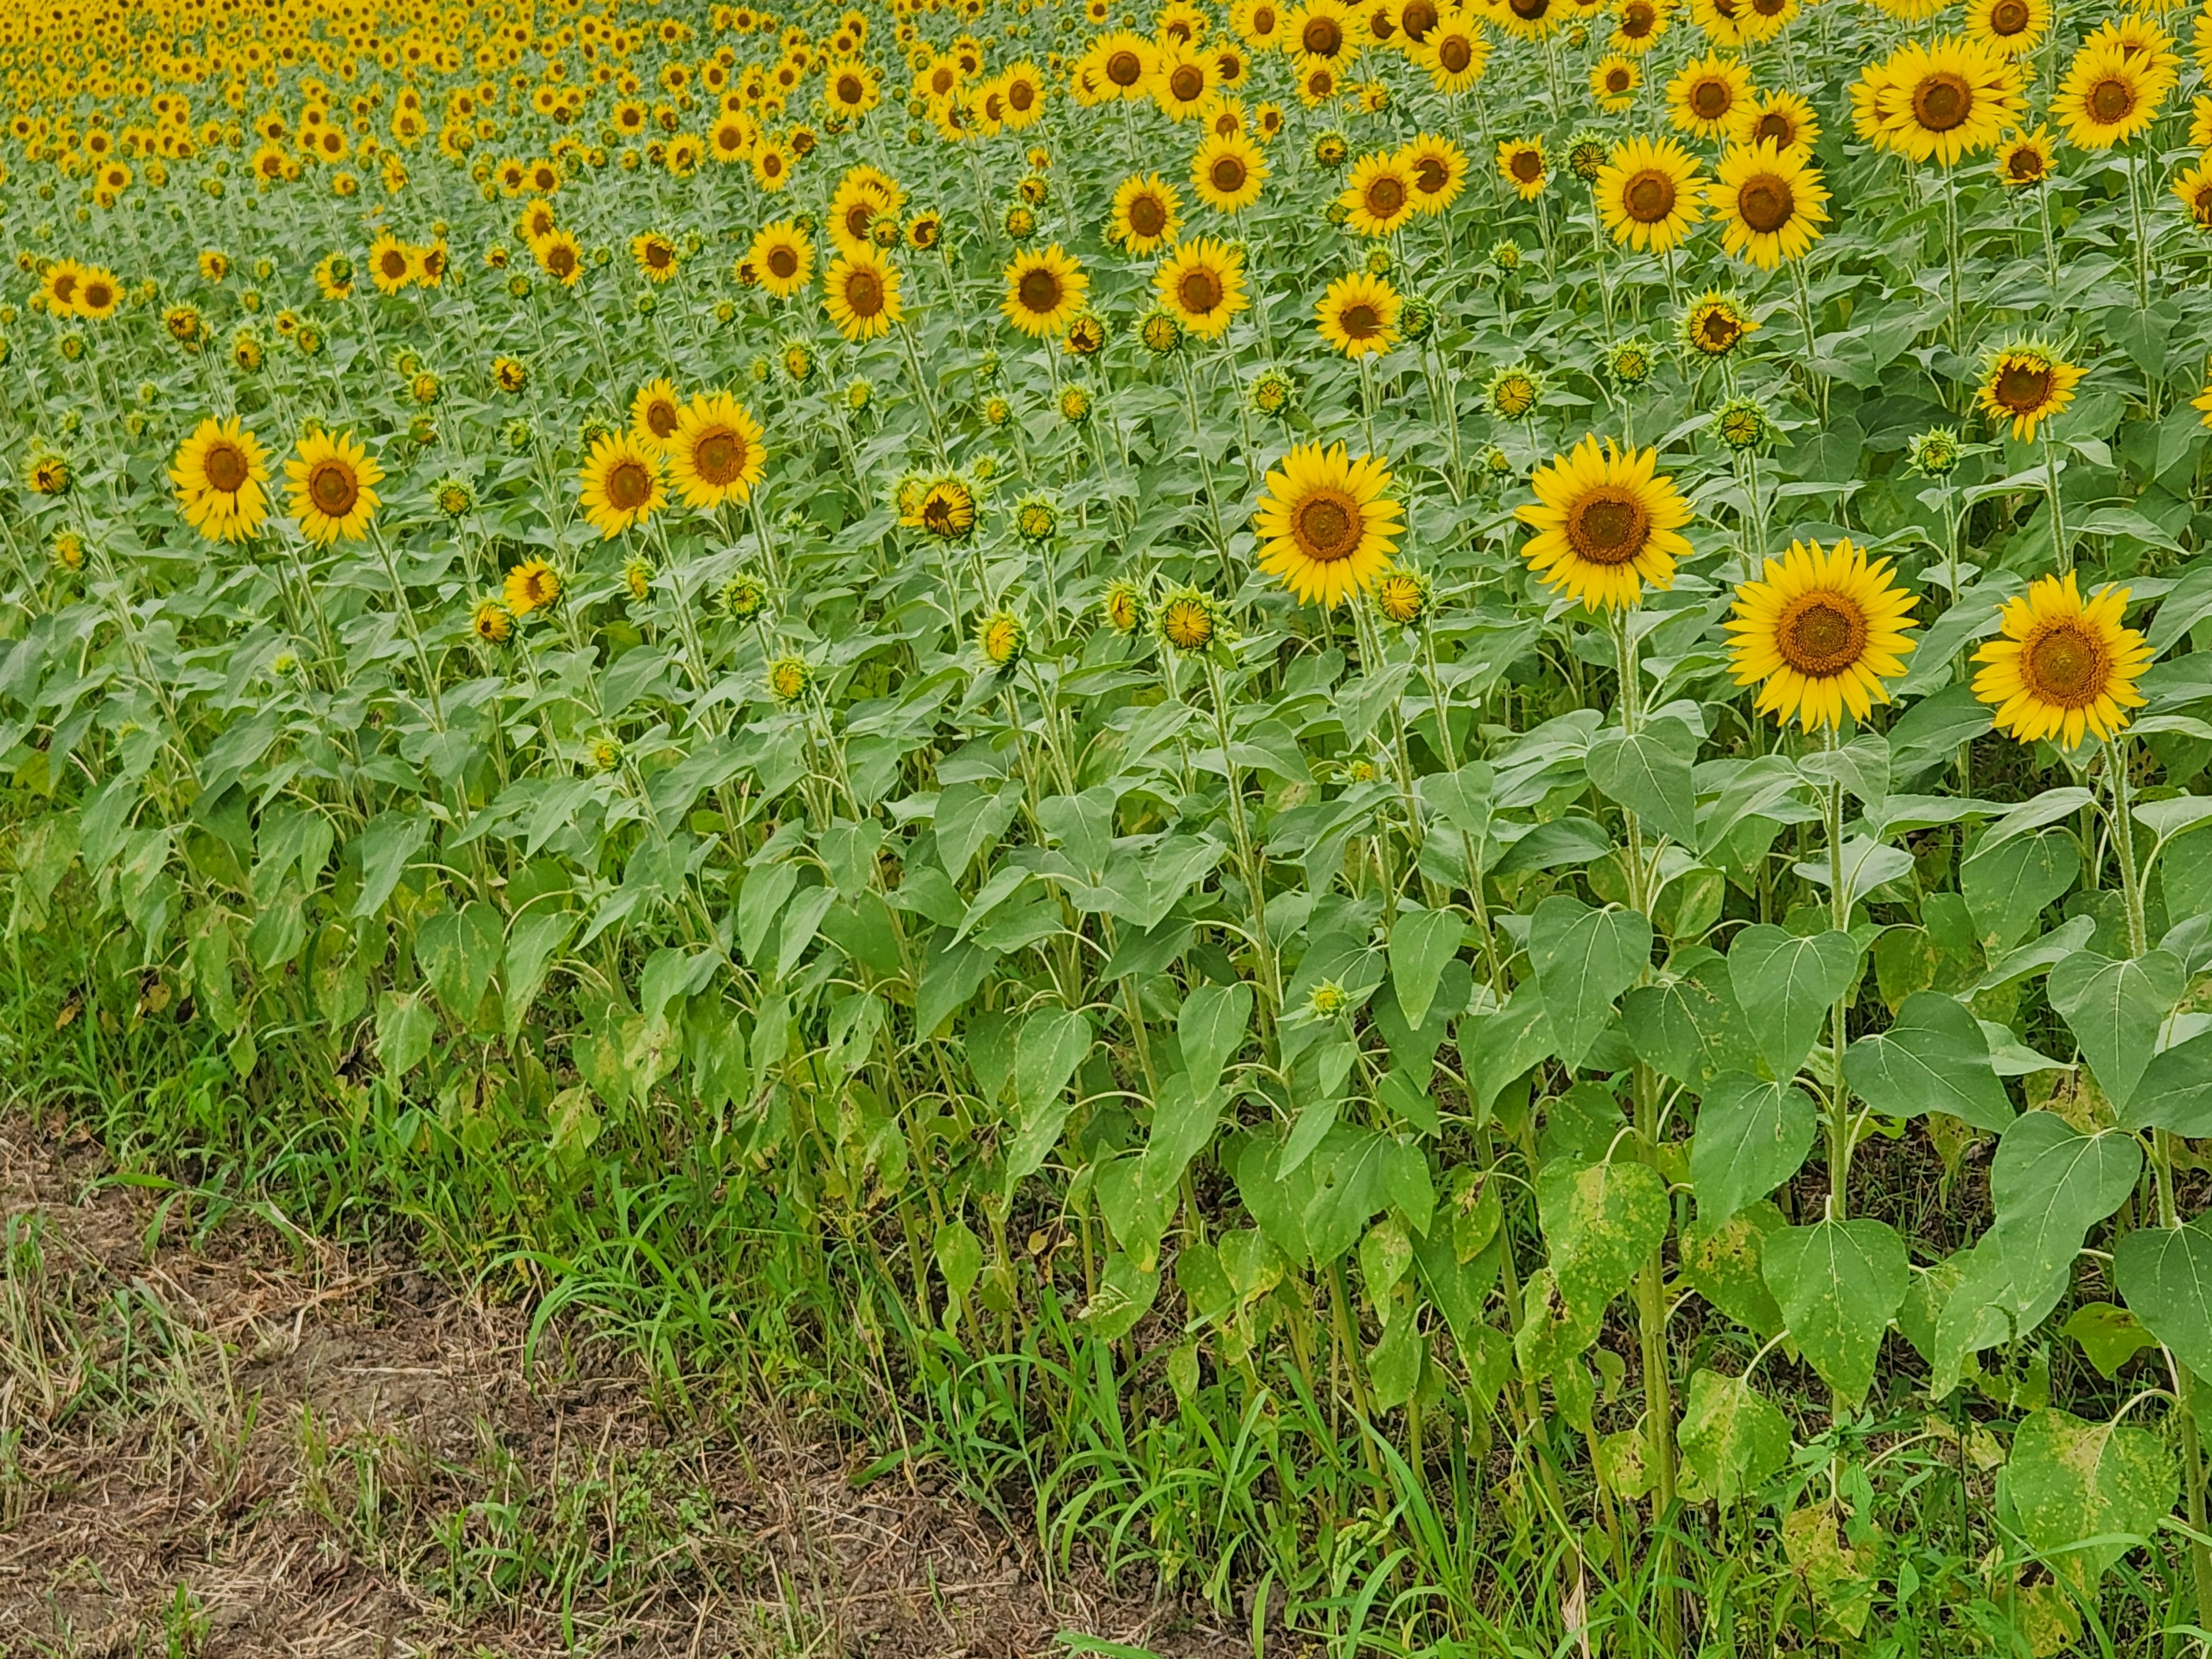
{"x": 2123, "y": 847}
{"x": 2060, "y": 549}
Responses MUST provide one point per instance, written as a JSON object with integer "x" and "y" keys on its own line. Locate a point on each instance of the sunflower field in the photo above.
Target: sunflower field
{"x": 1401, "y": 807}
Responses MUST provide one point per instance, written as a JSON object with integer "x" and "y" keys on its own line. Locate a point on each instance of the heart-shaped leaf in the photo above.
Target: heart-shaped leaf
{"x": 1752, "y": 1136}
{"x": 1786, "y": 984}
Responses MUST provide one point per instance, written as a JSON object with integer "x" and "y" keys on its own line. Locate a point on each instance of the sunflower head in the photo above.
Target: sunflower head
{"x": 1935, "y": 453}
{"x": 452, "y": 497}
{"x": 788, "y": 678}
{"x": 742, "y": 596}
{"x": 943, "y": 509}
{"x": 1629, "y": 361}
{"x": 1001, "y": 639}
{"x": 2027, "y": 383}
{"x": 1036, "y": 519}
{"x": 1587, "y": 153}
{"x": 1607, "y": 522}
{"x": 1121, "y": 605}
{"x": 1514, "y": 391}
{"x": 1162, "y": 333}
{"x": 637, "y": 576}
{"x": 2062, "y": 668}
{"x": 1075, "y": 405}
{"x": 1325, "y": 526}
{"x": 1403, "y": 597}
{"x": 1188, "y": 620}
{"x": 492, "y": 621}
{"x": 1819, "y": 634}
{"x": 1716, "y": 324}
{"x": 1741, "y": 424}
{"x": 532, "y": 587}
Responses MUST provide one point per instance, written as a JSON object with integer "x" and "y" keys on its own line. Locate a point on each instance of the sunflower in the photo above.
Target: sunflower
{"x": 2024, "y": 159}
{"x": 561, "y": 256}
{"x": 1001, "y": 639}
{"x": 1403, "y": 598}
{"x": 716, "y": 454}
{"x": 1455, "y": 54}
{"x": 389, "y": 267}
{"x": 1782, "y": 119}
{"x": 1637, "y": 25}
{"x": 2062, "y": 668}
{"x": 531, "y": 585}
{"x": 654, "y": 411}
{"x": 1438, "y": 170}
{"x": 2109, "y": 96}
{"x": 1187, "y": 619}
{"x": 1324, "y": 29}
{"x": 861, "y": 293}
{"x": 2193, "y": 187}
{"x": 1649, "y": 194}
{"x": 1769, "y": 202}
{"x": 1708, "y": 91}
{"x": 943, "y": 507}
{"x": 1938, "y": 101}
{"x": 1522, "y": 165}
{"x": 1614, "y": 80}
{"x": 1181, "y": 80}
{"x": 1227, "y": 171}
{"x": 1326, "y": 527}
{"x": 1821, "y": 634}
{"x": 1607, "y": 521}
{"x": 2027, "y": 384}
{"x": 492, "y": 621}
{"x": 1716, "y": 324}
{"x": 656, "y": 256}
{"x": 1147, "y": 211}
{"x": 1202, "y": 284}
{"x": 1513, "y": 392}
{"x": 333, "y": 481}
{"x": 1378, "y": 197}
{"x": 622, "y": 484}
{"x": 782, "y": 258}
{"x": 1358, "y": 315}
{"x": 1530, "y": 20}
{"x": 2014, "y": 27}
{"x": 1259, "y": 21}
{"x": 98, "y": 294}
{"x": 1044, "y": 292}
{"x": 220, "y": 473}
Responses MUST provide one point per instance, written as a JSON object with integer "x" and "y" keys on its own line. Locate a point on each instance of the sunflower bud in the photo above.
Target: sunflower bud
{"x": 788, "y": 678}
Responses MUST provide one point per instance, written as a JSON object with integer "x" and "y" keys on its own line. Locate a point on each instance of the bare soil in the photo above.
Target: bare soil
{"x": 242, "y": 1440}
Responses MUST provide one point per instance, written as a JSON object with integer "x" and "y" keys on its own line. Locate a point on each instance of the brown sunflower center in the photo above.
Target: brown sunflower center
{"x": 2066, "y": 664}
{"x": 1199, "y": 291}
{"x": 226, "y": 468}
{"x": 2008, "y": 17}
{"x": 1637, "y": 19}
{"x": 1360, "y": 321}
{"x": 561, "y": 261}
{"x": 864, "y": 294}
{"x": 2022, "y": 387}
{"x": 2111, "y": 101}
{"x": 1263, "y": 20}
{"x": 1616, "y": 79}
{"x": 1455, "y": 53}
{"x": 1718, "y": 330}
{"x": 1227, "y": 174}
{"x": 1709, "y": 99}
{"x": 394, "y": 263}
{"x": 1021, "y": 94}
{"x": 1607, "y": 527}
{"x": 1765, "y": 203}
{"x": 1942, "y": 101}
{"x": 719, "y": 457}
{"x": 1386, "y": 192}
{"x": 1323, "y": 37}
{"x": 858, "y": 218}
{"x": 661, "y": 419}
{"x": 1124, "y": 68}
{"x": 1821, "y": 635}
{"x": 659, "y": 256}
{"x": 942, "y": 514}
{"x": 1039, "y": 291}
{"x": 629, "y": 485}
{"x": 1326, "y": 526}
{"x": 332, "y": 487}
{"x": 1431, "y": 174}
{"x": 1148, "y": 215}
{"x": 782, "y": 264}
{"x": 1418, "y": 19}
{"x": 1527, "y": 166}
{"x": 851, "y": 89}
{"x": 1649, "y": 196}
{"x": 1776, "y": 126}
{"x": 1529, "y": 11}
{"x": 2025, "y": 163}
{"x": 1186, "y": 82}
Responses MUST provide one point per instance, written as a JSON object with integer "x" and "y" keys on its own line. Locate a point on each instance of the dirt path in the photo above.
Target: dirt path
{"x": 257, "y": 1445}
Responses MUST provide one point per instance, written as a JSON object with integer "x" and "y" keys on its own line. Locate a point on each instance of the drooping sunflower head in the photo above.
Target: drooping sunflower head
{"x": 1325, "y": 526}
{"x": 1201, "y": 286}
{"x": 1359, "y": 315}
{"x": 1044, "y": 291}
{"x": 1001, "y": 639}
{"x": 333, "y": 480}
{"x": 716, "y": 454}
{"x": 1649, "y": 193}
{"x": 1188, "y": 620}
{"x": 1716, "y": 324}
{"x": 2027, "y": 383}
{"x": 2062, "y": 668}
{"x": 1819, "y": 634}
{"x": 622, "y": 484}
{"x": 1607, "y": 521}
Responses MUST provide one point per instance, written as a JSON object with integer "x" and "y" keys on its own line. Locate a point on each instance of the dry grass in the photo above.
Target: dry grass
{"x": 254, "y": 1443}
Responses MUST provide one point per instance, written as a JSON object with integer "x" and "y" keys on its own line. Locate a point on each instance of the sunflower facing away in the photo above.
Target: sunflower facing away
{"x": 1607, "y": 521}
{"x": 1359, "y": 315}
{"x": 782, "y": 258}
{"x": 1202, "y": 284}
{"x": 621, "y": 485}
{"x": 1326, "y": 527}
{"x": 221, "y": 473}
{"x": 1821, "y": 634}
{"x": 1045, "y": 292}
{"x": 1769, "y": 202}
{"x": 1378, "y": 198}
{"x": 861, "y": 293}
{"x": 2062, "y": 668}
{"x": 716, "y": 454}
{"x": 1648, "y": 194}
{"x": 1147, "y": 211}
{"x": 332, "y": 487}
{"x": 2026, "y": 384}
